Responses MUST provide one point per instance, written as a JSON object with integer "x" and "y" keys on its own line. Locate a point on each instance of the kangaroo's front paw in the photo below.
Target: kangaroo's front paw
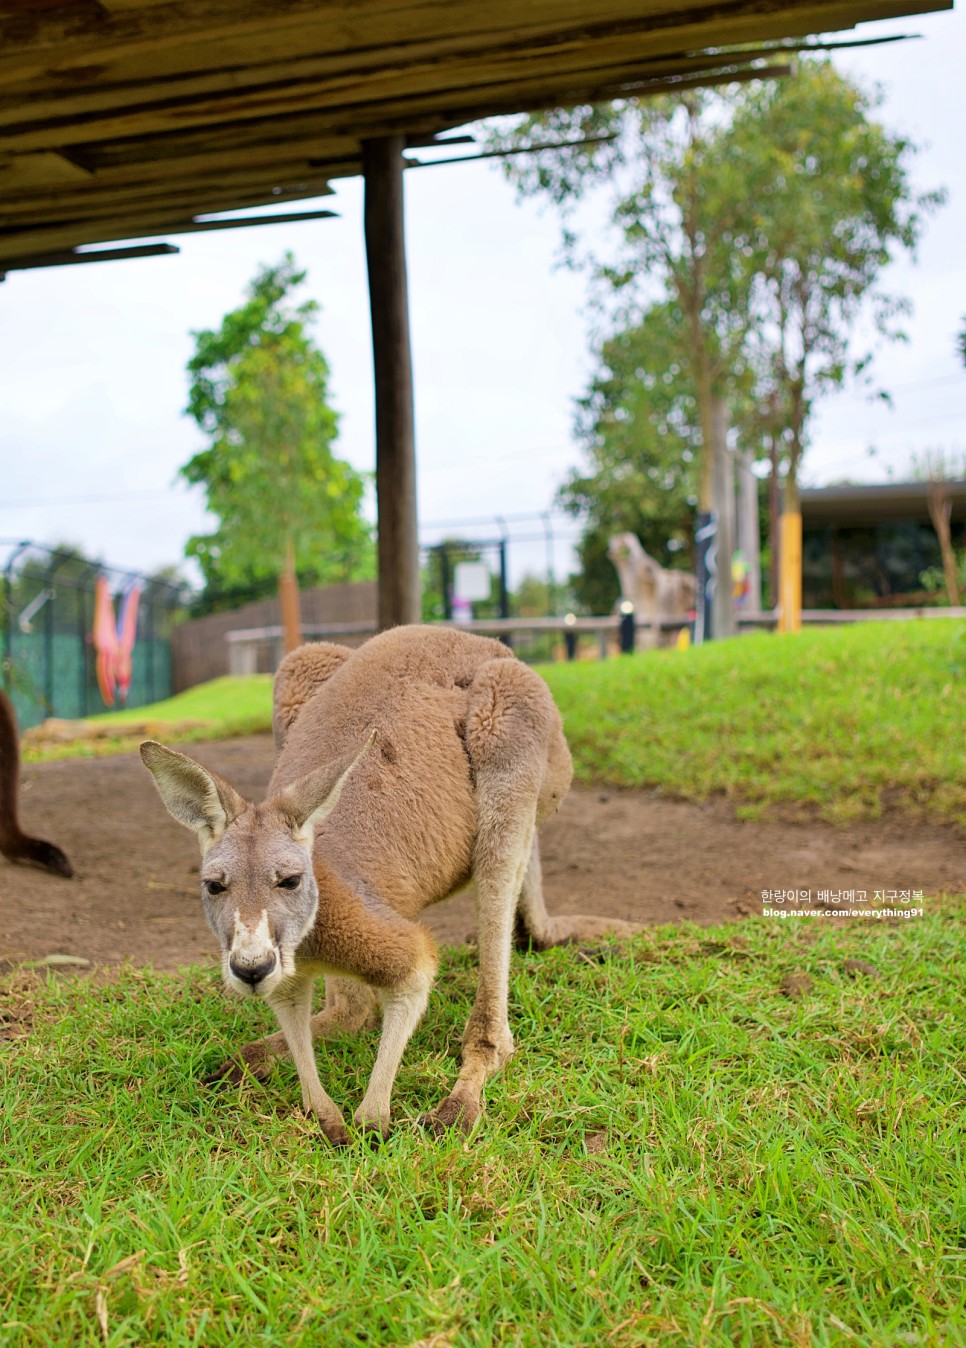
{"x": 453, "y": 1114}
{"x": 374, "y": 1124}
{"x": 253, "y": 1060}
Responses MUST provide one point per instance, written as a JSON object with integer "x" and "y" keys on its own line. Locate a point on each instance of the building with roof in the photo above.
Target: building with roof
{"x": 867, "y": 547}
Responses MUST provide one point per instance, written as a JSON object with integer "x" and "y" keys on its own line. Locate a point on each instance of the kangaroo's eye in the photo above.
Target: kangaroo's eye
{"x": 289, "y": 882}
{"x": 215, "y": 887}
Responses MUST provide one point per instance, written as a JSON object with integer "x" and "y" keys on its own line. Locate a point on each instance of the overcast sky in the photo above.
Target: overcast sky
{"x": 92, "y": 358}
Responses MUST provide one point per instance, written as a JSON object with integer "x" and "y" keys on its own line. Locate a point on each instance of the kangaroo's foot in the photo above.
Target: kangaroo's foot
{"x": 535, "y": 929}
{"x": 37, "y": 852}
{"x": 334, "y": 1130}
{"x": 374, "y": 1128}
{"x": 256, "y": 1060}
{"x": 487, "y": 1044}
{"x": 457, "y": 1113}
{"x": 573, "y": 928}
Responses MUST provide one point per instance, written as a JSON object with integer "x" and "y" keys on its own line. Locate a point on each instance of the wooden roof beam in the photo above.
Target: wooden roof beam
{"x": 112, "y": 225}
{"x": 70, "y": 258}
{"x": 42, "y": 39}
{"x": 74, "y": 110}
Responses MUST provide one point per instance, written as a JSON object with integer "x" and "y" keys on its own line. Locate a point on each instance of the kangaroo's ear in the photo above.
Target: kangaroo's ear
{"x": 197, "y": 798}
{"x": 305, "y": 803}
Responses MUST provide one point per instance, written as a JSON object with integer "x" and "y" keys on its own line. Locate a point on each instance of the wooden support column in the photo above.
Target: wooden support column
{"x": 399, "y": 582}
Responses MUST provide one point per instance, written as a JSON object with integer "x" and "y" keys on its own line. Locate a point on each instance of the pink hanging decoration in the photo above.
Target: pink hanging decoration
{"x": 114, "y": 648}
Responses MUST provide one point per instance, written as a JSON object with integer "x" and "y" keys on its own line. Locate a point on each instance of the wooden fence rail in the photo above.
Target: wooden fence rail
{"x": 245, "y": 644}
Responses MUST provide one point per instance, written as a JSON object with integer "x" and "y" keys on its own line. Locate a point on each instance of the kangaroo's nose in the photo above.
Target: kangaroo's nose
{"x": 253, "y": 973}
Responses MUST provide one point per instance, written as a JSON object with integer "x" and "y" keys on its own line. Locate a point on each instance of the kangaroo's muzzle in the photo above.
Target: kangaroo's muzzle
{"x": 247, "y": 972}
{"x": 253, "y": 954}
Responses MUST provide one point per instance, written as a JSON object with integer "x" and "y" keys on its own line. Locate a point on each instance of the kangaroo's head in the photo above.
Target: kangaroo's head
{"x": 257, "y": 885}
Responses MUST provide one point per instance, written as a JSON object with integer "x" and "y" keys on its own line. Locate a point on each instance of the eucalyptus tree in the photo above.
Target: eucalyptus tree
{"x": 759, "y": 218}
{"x": 829, "y": 204}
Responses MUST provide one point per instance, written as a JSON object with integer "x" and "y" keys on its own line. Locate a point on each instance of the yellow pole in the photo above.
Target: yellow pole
{"x": 790, "y": 573}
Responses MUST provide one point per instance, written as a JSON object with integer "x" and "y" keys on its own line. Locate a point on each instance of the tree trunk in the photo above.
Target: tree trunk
{"x": 398, "y": 552}
{"x": 774, "y": 511}
{"x": 723, "y": 485}
{"x": 706, "y": 405}
{"x": 940, "y": 510}
{"x": 705, "y": 534}
{"x": 749, "y": 530}
{"x": 288, "y": 599}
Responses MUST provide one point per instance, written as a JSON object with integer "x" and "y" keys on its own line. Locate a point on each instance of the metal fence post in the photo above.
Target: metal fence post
{"x": 627, "y": 627}
{"x": 570, "y": 636}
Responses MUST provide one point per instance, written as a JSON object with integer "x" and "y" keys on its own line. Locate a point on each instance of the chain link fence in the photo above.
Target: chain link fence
{"x": 49, "y": 662}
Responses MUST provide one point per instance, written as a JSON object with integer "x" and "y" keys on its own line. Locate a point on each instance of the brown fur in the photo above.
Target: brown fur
{"x": 467, "y": 757}
{"x": 14, "y": 843}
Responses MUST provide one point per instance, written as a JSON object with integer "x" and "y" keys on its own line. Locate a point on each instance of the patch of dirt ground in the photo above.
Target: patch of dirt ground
{"x": 618, "y": 853}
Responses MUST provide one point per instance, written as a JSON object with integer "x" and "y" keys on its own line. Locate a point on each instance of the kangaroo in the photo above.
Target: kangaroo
{"x": 14, "y": 843}
{"x": 405, "y": 769}
{"x": 655, "y": 592}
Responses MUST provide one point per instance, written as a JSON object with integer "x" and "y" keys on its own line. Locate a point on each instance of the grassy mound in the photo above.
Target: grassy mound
{"x": 848, "y": 720}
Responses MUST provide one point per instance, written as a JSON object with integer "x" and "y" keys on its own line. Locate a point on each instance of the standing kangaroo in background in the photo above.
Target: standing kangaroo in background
{"x": 14, "y": 843}
{"x": 406, "y": 768}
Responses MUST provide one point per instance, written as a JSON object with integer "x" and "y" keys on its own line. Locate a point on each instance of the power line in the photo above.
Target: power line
{"x": 31, "y": 502}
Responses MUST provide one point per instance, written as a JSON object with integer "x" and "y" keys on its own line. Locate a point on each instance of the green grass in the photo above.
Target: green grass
{"x": 677, "y": 1154}
{"x": 217, "y": 709}
{"x": 224, "y": 702}
{"x": 688, "y": 1148}
{"x": 849, "y": 721}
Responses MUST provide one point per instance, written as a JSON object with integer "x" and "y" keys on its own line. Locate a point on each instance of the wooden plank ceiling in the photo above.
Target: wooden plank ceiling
{"x": 126, "y": 119}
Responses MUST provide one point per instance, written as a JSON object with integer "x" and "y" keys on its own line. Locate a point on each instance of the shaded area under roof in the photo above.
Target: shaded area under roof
{"x": 825, "y": 506}
{"x": 124, "y": 119}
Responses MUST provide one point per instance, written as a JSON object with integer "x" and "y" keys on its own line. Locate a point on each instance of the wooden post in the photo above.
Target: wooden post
{"x": 399, "y": 582}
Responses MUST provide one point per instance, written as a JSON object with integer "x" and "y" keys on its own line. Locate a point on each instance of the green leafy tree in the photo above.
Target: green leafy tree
{"x": 674, "y": 205}
{"x": 829, "y": 203}
{"x": 758, "y": 219}
{"x": 640, "y": 430}
{"x": 259, "y": 391}
{"x": 533, "y": 597}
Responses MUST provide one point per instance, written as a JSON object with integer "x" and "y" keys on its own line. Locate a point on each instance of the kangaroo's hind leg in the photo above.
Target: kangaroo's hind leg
{"x": 537, "y": 929}
{"x": 349, "y": 1006}
{"x": 302, "y": 673}
{"x": 510, "y": 724}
